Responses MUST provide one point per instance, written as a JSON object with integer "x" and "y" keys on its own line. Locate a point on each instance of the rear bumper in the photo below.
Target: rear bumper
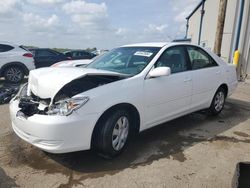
{"x": 54, "y": 134}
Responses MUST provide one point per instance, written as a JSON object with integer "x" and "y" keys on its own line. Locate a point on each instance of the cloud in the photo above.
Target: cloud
{"x": 181, "y": 17}
{"x": 183, "y": 9}
{"x": 86, "y": 23}
{"x": 38, "y": 23}
{"x": 10, "y": 7}
{"x": 87, "y": 14}
{"x": 156, "y": 28}
{"x": 81, "y": 7}
{"x": 121, "y": 31}
{"x": 48, "y": 2}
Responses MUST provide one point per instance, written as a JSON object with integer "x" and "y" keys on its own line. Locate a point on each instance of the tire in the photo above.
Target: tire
{"x": 13, "y": 74}
{"x": 113, "y": 134}
{"x": 218, "y": 102}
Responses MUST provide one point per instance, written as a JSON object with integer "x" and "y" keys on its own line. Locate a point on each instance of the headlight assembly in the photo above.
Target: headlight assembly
{"x": 66, "y": 107}
{"x": 22, "y": 92}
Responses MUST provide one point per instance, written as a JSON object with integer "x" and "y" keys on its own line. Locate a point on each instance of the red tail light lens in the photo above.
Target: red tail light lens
{"x": 28, "y": 55}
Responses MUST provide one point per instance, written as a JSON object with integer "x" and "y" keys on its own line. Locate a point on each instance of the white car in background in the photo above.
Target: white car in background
{"x": 100, "y": 52}
{"x": 126, "y": 91}
{"x": 73, "y": 63}
{"x": 15, "y": 62}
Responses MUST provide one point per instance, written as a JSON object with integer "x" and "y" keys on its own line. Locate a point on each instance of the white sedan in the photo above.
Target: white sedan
{"x": 127, "y": 90}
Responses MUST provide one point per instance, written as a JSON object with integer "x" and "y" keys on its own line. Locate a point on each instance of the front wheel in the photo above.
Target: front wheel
{"x": 218, "y": 102}
{"x": 113, "y": 134}
{"x": 13, "y": 74}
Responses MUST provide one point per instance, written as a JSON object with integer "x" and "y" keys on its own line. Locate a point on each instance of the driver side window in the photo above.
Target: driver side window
{"x": 174, "y": 58}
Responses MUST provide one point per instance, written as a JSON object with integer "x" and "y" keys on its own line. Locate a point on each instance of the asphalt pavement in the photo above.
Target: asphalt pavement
{"x": 196, "y": 150}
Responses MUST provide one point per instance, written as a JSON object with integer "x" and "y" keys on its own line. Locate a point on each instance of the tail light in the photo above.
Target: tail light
{"x": 28, "y": 55}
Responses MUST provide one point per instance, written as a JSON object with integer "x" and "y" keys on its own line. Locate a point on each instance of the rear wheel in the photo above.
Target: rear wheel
{"x": 13, "y": 74}
{"x": 218, "y": 102}
{"x": 113, "y": 134}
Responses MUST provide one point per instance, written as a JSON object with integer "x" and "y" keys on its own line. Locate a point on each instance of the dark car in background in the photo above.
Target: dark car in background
{"x": 45, "y": 57}
{"x": 79, "y": 54}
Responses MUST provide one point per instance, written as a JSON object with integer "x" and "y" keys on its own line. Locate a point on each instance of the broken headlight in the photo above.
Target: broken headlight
{"x": 66, "y": 107}
{"x": 22, "y": 92}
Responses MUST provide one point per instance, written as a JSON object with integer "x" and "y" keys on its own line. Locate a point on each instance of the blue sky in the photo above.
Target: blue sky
{"x": 92, "y": 23}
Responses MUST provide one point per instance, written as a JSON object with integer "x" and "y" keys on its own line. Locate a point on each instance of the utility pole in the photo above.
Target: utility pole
{"x": 201, "y": 21}
{"x": 220, "y": 27}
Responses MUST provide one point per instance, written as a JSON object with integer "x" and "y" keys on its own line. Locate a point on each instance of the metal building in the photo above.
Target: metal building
{"x": 202, "y": 24}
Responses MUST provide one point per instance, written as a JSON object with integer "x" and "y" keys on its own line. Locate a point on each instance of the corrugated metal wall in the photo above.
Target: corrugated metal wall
{"x": 245, "y": 42}
{"x": 229, "y": 34}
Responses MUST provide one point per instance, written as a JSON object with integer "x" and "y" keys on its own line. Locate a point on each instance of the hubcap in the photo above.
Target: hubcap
{"x": 120, "y": 133}
{"x": 219, "y": 101}
{"x": 14, "y": 74}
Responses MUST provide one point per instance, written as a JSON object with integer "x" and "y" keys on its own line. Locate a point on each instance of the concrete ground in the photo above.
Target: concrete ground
{"x": 193, "y": 151}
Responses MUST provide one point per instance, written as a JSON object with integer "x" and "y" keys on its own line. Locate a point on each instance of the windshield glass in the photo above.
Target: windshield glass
{"x": 126, "y": 60}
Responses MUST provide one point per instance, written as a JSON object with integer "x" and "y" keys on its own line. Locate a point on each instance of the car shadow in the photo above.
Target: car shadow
{"x": 168, "y": 140}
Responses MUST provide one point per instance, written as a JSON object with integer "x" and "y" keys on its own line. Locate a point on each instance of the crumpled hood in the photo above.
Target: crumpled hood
{"x": 46, "y": 82}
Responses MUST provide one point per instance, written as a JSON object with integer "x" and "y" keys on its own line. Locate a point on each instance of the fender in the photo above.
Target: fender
{"x": 26, "y": 71}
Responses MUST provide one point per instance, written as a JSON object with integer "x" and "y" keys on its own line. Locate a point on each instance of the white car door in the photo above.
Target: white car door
{"x": 3, "y": 56}
{"x": 6, "y": 54}
{"x": 168, "y": 97}
{"x": 207, "y": 76}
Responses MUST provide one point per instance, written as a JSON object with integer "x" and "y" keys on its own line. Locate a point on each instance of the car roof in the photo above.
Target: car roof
{"x": 159, "y": 44}
{"x": 156, "y": 44}
{"x": 49, "y": 49}
{"x": 76, "y": 51}
{"x": 8, "y": 43}
{"x": 40, "y": 49}
{"x": 150, "y": 44}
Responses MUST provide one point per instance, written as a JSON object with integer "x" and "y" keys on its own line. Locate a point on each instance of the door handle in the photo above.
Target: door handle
{"x": 217, "y": 72}
{"x": 187, "y": 80}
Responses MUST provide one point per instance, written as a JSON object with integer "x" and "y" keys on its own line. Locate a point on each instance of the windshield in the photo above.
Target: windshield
{"x": 126, "y": 60}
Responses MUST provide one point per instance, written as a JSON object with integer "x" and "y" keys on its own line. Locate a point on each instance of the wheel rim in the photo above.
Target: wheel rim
{"x": 219, "y": 101}
{"x": 120, "y": 133}
{"x": 14, "y": 74}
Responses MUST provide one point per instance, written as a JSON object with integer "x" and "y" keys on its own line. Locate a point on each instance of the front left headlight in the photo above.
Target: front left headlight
{"x": 21, "y": 93}
{"x": 66, "y": 107}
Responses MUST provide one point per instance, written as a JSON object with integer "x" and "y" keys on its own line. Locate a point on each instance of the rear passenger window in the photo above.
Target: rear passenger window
{"x": 44, "y": 53}
{"x": 199, "y": 59}
{"x": 5, "y": 48}
{"x": 80, "y": 54}
{"x": 69, "y": 54}
{"x": 85, "y": 53}
{"x": 74, "y": 54}
{"x": 174, "y": 58}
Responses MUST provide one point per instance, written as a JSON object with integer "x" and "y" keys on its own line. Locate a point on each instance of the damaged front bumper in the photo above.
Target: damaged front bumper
{"x": 51, "y": 111}
{"x": 54, "y": 134}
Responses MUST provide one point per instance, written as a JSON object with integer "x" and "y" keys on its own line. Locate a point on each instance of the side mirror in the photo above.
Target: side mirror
{"x": 159, "y": 71}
